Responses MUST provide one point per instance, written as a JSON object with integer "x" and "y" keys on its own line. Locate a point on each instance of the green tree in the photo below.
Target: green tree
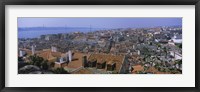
{"x": 44, "y": 65}
{"x": 180, "y": 46}
{"x": 37, "y": 63}
{"x": 159, "y": 45}
{"x": 60, "y": 71}
{"x": 52, "y": 64}
{"x": 165, "y": 50}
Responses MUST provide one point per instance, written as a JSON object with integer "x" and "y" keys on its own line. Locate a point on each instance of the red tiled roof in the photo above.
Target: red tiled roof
{"x": 137, "y": 68}
{"x": 118, "y": 59}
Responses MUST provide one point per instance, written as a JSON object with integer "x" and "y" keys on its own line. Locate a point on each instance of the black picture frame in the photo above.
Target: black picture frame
{"x": 3, "y": 3}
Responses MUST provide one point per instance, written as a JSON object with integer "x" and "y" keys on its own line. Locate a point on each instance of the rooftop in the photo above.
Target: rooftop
{"x": 76, "y": 61}
{"x": 137, "y": 68}
{"x": 48, "y": 54}
{"x": 109, "y": 59}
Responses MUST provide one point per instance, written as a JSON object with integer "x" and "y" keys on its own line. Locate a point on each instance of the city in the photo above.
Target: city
{"x": 145, "y": 50}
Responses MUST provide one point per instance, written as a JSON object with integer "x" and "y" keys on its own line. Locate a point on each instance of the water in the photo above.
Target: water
{"x": 35, "y": 33}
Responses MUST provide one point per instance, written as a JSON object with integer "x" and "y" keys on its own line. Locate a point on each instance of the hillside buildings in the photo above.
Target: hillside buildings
{"x": 119, "y": 51}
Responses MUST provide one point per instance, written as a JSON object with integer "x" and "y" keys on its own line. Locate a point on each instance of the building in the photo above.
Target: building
{"x": 171, "y": 42}
{"x": 47, "y": 37}
{"x": 177, "y": 39}
{"x": 49, "y": 55}
{"x": 22, "y": 53}
{"x": 76, "y": 62}
{"x": 176, "y": 55}
{"x": 104, "y": 64}
{"x": 53, "y": 49}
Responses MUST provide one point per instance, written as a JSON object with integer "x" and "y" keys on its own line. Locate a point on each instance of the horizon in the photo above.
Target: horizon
{"x": 89, "y": 27}
{"x": 101, "y": 22}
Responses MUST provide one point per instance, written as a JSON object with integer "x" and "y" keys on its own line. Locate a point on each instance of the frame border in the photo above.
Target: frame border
{"x": 3, "y": 3}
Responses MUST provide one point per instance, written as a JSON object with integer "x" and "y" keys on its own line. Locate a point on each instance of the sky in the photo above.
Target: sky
{"x": 102, "y": 22}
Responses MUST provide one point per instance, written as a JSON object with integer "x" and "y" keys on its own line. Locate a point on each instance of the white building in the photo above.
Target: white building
{"x": 171, "y": 42}
{"x": 177, "y": 39}
{"x": 47, "y": 37}
{"x": 21, "y": 53}
{"x": 138, "y": 52}
{"x": 53, "y": 49}
{"x": 176, "y": 55}
{"x": 133, "y": 46}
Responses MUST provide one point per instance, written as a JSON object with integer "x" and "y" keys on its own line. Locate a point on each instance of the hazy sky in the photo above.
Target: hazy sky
{"x": 98, "y": 22}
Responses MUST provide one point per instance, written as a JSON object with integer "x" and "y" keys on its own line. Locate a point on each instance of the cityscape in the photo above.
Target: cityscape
{"x": 99, "y": 45}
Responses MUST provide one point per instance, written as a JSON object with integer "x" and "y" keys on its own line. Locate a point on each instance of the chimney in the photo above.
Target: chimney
{"x": 138, "y": 52}
{"x": 111, "y": 66}
{"x": 33, "y": 49}
{"x": 84, "y": 61}
{"x": 101, "y": 64}
{"x": 70, "y": 55}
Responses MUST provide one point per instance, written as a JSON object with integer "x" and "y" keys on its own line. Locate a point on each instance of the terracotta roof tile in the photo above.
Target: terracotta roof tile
{"x": 76, "y": 63}
{"x": 118, "y": 59}
{"x": 137, "y": 68}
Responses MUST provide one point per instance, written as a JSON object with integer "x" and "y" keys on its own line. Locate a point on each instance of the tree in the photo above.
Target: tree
{"x": 36, "y": 60}
{"x": 60, "y": 71}
{"x": 145, "y": 68}
{"x": 156, "y": 66}
{"x": 44, "y": 65}
{"x": 165, "y": 50}
{"x": 20, "y": 59}
{"x": 40, "y": 59}
{"x": 37, "y": 63}
{"x": 180, "y": 46}
{"x": 150, "y": 43}
{"x": 159, "y": 45}
{"x": 52, "y": 64}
